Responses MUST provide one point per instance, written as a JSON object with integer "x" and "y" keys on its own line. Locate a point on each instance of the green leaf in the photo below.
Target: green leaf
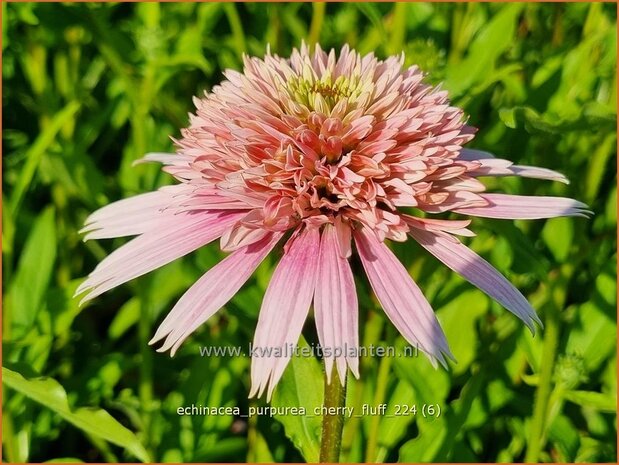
{"x": 64, "y": 460}
{"x": 259, "y": 452}
{"x": 458, "y": 319}
{"x": 125, "y": 318}
{"x": 371, "y": 12}
{"x": 93, "y": 421}
{"x": 431, "y": 386}
{"x": 393, "y": 427}
{"x": 491, "y": 42}
{"x": 38, "y": 149}
{"x": 558, "y": 234}
{"x": 591, "y": 117}
{"x": 33, "y": 273}
{"x": 302, "y": 386}
{"x": 594, "y": 400}
{"x": 591, "y": 335}
{"x": 597, "y": 166}
{"x": 564, "y": 436}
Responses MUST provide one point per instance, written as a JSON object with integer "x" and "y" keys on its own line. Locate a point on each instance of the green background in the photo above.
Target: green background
{"x": 89, "y": 88}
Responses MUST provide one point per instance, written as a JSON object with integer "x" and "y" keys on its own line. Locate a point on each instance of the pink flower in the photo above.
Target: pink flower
{"x": 319, "y": 152}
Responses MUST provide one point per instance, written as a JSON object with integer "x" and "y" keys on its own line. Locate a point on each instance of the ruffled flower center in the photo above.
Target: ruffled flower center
{"x": 320, "y": 139}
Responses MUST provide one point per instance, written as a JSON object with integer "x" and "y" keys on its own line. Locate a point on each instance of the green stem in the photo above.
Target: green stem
{"x": 332, "y": 425}
{"x": 10, "y": 441}
{"x": 318, "y": 16}
{"x": 145, "y": 389}
{"x": 544, "y": 388}
{"x": 236, "y": 26}
{"x": 379, "y": 395}
{"x": 398, "y": 29}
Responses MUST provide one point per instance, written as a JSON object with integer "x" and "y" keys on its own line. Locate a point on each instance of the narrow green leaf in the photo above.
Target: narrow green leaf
{"x": 459, "y": 318}
{"x": 490, "y": 43}
{"x": 371, "y": 12}
{"x": 558, "y": 234}
{"x": 96, "y": 422}
{"x": 393, "y": 426}
{"x": 33, "y": 273}
{"x": 594, "y": 400}
{"x": 37, "y": 150}
{"x": 565, "y": 438}
{"x": 302, "y": 386}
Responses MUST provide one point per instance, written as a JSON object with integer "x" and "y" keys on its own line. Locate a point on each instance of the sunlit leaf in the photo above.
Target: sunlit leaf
{"x": 97, "y": 422}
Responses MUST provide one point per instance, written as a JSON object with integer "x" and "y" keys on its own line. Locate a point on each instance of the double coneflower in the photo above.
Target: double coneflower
{"x": 329, "y": 156}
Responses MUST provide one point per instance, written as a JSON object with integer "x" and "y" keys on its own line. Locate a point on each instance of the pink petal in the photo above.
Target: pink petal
{"x": 284, "y": 309}
{"x": 164, "y": 158}
{"x": 400, "y": 297}
{"x": 538, "y": 173}
{"x": 336, "y": 308}
{"x": 241, "y": 236}
{"x": 129, "y": 217}
{"x": 478, "y": 272}
{"x": 491, "y": 166}
{"x": 458, "y": 227}
{"x": 526, "y": 207}
{"x": 211, "y": 292}
{"x": 184, "y": 233}
{"x": 474, "y": 155}
{"x": 343, "y": 234}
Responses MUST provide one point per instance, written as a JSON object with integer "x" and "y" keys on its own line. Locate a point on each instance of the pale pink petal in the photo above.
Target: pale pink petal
{"x": 336, "y": 308}
{"x": 400, "y": 297}
{"x": 129, "y": 217}
{"x": 211, "y": 292}
{"x": 538, "y": 173}
{"x": 526, "y": 207}
{"x": 284, "y": 309}
{"x": 478, "y": 272}
{"x": 184, "y": 233}
{"x": 343, "y": 232}
{"x": 491, "y": 166}
{"x": 474, "y": 155}
{"x": 458, "y": 227}
{"x": 241, "y": 236}
{"x": 164, "y": 158}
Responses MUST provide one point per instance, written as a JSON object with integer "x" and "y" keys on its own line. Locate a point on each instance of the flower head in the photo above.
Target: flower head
{"x": 318, "y": 152}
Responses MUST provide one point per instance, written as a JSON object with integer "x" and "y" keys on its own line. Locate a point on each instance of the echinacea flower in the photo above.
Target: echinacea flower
{"x": 318, "y": 152}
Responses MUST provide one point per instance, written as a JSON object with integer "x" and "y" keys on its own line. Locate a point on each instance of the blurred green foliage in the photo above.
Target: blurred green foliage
{"x": 89, "y": 88}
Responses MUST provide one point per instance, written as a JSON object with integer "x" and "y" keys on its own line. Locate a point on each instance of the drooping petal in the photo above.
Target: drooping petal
{"x": 526, "y": 207}
{"x": 457, "y": 227}
{"x": 400, "y": 297}
{"x": 491, "y": 166}
{"x": 184, "y": 233}
{"x": 474, "y": 155}
{"x": 164, "y": 158}
{"x": 535, "y": 172}
{"x": 336, "y": 308}
{"x": 478, "y": 272}
{"x": 129, "y": 217}
{"x": 211, "y": 292}
{"x": 284, "y": 309}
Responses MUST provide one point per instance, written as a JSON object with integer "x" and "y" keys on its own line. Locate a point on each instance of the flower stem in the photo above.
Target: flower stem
{"x": 236, "y": 26}
{"x": 542, "y": 395}
{"x": 379, "y": 397}
{"x": 145, "y": 389}
{"x": 318, "y": 17}
{"x": 332, "y": 425}
{"x": 557, "y": 296}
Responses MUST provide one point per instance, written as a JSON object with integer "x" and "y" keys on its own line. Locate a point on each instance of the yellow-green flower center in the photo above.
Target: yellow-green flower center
{"x": 323, "y": 94}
